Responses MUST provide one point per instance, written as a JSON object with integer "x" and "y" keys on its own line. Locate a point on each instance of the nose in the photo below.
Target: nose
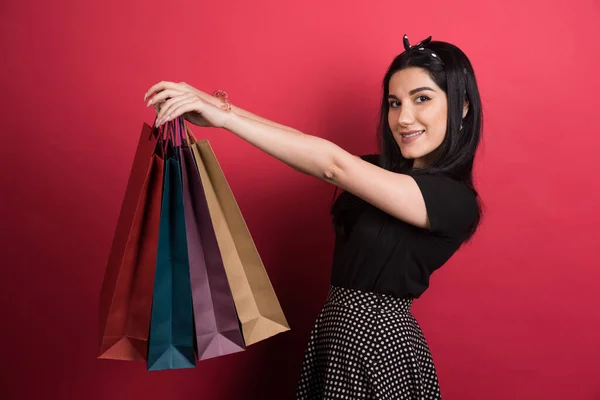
{"x": 406, "y": 117}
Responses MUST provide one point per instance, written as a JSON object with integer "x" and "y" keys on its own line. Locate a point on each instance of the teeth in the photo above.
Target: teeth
{"x": 413, "y": 134}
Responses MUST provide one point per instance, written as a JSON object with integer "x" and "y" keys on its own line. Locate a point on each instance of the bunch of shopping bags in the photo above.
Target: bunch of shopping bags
{"x": 184, "y": 281}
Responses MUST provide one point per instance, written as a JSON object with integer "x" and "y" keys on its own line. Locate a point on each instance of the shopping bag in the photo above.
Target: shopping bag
{"x": 217, "y": 326}
{"x": 171, "y": 342}
{"x": 126, "y": 294}
{"x": 255, "y": 300}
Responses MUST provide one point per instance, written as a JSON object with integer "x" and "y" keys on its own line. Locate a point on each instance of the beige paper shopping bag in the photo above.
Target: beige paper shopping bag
{"x": 257, "y": 306}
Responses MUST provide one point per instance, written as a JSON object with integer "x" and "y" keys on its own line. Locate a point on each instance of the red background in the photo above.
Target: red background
{"x": 514, "y": 315}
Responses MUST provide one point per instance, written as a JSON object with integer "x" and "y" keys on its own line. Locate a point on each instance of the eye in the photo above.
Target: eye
{"x": 422, "y": 98}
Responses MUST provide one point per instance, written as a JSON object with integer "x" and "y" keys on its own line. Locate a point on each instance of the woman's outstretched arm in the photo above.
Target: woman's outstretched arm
{"x": 396, "y": 194}
{"x": 306, "y": 153}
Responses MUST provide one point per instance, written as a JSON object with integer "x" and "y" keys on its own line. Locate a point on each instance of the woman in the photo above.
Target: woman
{"x": 403, "y": 213}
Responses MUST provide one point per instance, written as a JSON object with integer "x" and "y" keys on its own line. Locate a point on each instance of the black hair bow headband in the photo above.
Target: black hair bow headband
{"x": 419, "y": 46}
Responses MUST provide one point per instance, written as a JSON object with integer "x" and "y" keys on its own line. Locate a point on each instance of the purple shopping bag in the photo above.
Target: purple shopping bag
{"x": 218, "y": 330}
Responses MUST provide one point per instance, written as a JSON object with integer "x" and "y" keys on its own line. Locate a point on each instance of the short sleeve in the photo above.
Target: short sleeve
{"x": 372, "y": 158}
{"x": 451, "y": 206}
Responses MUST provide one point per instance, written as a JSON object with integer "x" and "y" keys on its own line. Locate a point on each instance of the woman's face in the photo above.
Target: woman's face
{"x": 418, "y": 112}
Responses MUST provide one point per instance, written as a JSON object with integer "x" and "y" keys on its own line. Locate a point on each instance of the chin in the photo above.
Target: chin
{"x": 410, "y": 154}
{"x": 416, "y": 150}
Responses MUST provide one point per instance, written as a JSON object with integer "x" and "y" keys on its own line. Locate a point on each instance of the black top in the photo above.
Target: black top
{"x": 377, "y": 252}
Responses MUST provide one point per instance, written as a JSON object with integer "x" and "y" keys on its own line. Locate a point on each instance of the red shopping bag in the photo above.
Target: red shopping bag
{"x": 126, "y": 295}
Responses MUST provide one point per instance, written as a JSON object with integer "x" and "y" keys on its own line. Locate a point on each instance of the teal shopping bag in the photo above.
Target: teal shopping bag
{"x": 171, "y": 340}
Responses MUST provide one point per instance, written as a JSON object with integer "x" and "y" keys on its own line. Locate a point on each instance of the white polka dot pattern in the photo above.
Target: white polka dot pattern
{"x": 367, "y": 346}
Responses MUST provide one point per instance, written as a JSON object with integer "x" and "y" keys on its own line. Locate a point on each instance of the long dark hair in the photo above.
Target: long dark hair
{"x": 452, "y": 71}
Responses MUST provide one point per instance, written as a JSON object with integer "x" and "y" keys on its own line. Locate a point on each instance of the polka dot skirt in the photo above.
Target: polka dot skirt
{"x": 367, "y": 346}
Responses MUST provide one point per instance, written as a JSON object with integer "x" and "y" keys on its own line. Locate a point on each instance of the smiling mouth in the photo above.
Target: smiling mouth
{"x": 410, "y": 135}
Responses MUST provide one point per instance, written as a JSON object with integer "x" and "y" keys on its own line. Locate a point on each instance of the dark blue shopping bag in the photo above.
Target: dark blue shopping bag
{"x": 171, "y": 340}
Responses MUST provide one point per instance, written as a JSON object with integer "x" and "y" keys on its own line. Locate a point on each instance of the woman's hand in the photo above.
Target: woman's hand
{"x": 172, "y": 100}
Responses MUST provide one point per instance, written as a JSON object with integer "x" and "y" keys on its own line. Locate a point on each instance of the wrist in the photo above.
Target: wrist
{"x": 230, "y": 120}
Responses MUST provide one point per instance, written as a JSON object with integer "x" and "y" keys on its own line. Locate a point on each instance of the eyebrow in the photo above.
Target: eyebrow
{"x": 391, "y": 96}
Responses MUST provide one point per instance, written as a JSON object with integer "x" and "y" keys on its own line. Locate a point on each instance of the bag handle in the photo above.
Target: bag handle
{"x": 190, "y": 134}
{"x": 181, "y": 131}
{"x": 176, "y": 132}
{"x": 168, "y": 135}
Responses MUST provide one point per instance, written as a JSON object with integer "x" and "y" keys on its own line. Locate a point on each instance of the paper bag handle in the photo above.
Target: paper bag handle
{"x": 190, "y": 134}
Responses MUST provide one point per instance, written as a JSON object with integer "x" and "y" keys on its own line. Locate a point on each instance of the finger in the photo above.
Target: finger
{"x": 169, "y": 103}
{"x": 169, "y": 114}
{"x": 157, "y": 106}
{"x": 182, "y": 107}
{"x": 165, "y": 95}
{"x": 160, "y": 86}
{"x": 172, "y": 104}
